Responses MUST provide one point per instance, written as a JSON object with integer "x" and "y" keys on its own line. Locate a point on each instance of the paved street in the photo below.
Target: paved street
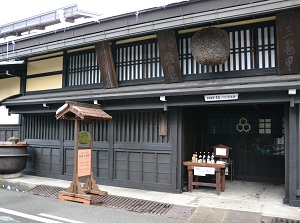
{"x": 21, "y": 207}
{"x": 242, "y": 202}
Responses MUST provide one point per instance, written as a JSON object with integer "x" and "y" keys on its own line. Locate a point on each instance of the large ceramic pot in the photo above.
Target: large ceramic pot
{"x": 13, "y": 158}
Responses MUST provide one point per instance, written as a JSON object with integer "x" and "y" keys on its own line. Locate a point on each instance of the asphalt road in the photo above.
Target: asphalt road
{"x": 27, "y": 208}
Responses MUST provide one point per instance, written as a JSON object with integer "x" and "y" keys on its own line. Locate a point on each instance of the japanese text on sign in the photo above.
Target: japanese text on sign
{"x": 84, "y": 162}
{"x": 221, "y": 97}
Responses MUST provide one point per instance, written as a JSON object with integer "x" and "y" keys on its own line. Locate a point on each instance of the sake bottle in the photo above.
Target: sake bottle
{"x": 208, "y": 158}
{"x": 200, "y": 158}
{"x": 204, "y": 158}
{"x": 212, "y": 158}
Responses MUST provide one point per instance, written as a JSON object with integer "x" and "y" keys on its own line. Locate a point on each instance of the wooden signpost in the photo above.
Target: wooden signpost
{"x": 87, "y": 113}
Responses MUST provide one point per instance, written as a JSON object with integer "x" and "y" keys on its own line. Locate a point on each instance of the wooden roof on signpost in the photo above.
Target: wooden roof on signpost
{"x": 71, "y": 110}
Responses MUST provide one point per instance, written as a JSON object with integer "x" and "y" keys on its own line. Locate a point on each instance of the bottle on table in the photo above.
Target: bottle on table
{"x": 194, "y": 158}
{"x": 196, "y": 154}
{"x": 200, "y": 158}
{"x": 212, "y": 159}
{"x": 208, "y": 158}
{"x": 204, "y": 158}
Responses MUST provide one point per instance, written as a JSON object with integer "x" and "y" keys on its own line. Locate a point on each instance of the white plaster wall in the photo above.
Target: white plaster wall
{"x": 6, "y": 119}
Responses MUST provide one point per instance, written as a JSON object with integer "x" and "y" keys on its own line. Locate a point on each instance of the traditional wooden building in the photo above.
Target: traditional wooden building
{"x": 165, "y": 105}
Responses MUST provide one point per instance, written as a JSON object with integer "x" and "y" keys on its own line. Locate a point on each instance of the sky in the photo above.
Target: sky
{"x": 13, "y": 10}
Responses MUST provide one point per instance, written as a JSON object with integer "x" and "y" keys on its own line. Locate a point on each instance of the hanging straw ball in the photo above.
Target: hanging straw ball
{"x": 84, "y": 137}
{"x": 210, "y": 46}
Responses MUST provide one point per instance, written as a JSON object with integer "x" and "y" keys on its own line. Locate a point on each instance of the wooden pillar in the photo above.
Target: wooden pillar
{"x": 292, "y": 153}
{"x": 169, "y": 56}
{"x": 61, "y": 124}
{"x": 288, "y": 48}
{"x": 106, "y": 64}
{"x": 286, "y": 157}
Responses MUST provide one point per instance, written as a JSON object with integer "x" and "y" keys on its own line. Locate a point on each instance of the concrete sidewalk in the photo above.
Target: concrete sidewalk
{"x": 241, "y": 202}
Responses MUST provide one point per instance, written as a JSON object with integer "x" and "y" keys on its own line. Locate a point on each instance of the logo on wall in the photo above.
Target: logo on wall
{"x": 243, "y": 125}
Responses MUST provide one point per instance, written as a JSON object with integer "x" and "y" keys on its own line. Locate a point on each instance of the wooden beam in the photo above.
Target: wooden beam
{"x": 106, "y": 65}
{"x": 288, "y": 49}
{"x": 169, "y": 56}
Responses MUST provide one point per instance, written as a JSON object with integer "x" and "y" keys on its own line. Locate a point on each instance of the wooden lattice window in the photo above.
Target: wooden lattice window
{"x": 83, "y": 68}
{"x": 265, "y": 126}
{"x": 139, "y": 60}
{"x": 41, "y": 127}
{"x": 140, "y": 127}
{"x": 251, "y": 47}
{"x": 100, "y": 130}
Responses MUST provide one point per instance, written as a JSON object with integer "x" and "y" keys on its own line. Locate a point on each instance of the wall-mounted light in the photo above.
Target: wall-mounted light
{"x": 292, "y": 91}
{"x": 162, "y": 98}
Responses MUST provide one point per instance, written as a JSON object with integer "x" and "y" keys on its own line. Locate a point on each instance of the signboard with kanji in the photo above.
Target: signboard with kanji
{"x": 84, "y": 162}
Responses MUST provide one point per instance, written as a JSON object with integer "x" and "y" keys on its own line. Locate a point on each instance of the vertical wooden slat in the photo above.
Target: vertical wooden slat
{"x": 132, "y": 128}
{"x": 118, "y": 64}
{"x": 127, "y": 121}
{"x": 129, "y": 61}
{"x": 231, "y": 51}
{"x": 182, "y": 55}
{"x": 137, "y": 126}
{"x": 141, "y": 127}
{"x": 77, "y": 70}
{"x": 240, "y": 49}
{"x": 34, "y": 127}
{"x": 123, "y": 122}
{"x": 263, "y": 45}
{"x": 105, "y": 130}
{"x": 150, "y": 140}
{"x": 156, "y": 167}
{"x": 82, "y": 69}
{"x": 269, "y": 49}
{"x": 139, "y": 62}
{"x": 123, "y": 64}
{"x": 152, "y": 56}
{"x": 155, "y": 127}
{"x": 31, "y": 127}
{"x": 118, "y": 127}
{"x": 46, "y": 127}
{"x": 234, "y": 50}
{"x": 245, "y": 49}
{"x": 97, "y": 131}
{"x": 94, "y": 73}
{"x": 145, "y": 130}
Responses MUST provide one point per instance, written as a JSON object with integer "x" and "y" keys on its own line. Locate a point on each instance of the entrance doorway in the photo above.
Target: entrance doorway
{"x": 255, "y": 135}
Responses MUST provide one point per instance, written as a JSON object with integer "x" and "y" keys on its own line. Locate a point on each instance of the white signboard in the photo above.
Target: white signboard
{"x": 199, "y": 171}
{"x": 220, "y": 152}
{"x": 202, "y": 171}
{"x": 221, "y": 97}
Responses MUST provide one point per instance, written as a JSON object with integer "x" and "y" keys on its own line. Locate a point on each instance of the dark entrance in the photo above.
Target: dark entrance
{"x": 255, "y": 133}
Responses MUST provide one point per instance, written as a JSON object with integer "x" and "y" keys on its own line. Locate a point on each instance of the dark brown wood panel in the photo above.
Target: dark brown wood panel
{"x": 106, "y": 64}
{"x": 143, "y": 166}
{"x": 169, "y": 56}
{"x": 288, "y": 34}
{"x": 7, "y": 131}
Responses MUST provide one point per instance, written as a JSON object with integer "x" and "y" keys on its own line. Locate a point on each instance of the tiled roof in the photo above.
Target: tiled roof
{"x": 71, "y": 109}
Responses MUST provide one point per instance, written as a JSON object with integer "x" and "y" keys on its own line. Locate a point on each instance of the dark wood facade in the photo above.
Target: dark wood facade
{"x": 128, "y": 76}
